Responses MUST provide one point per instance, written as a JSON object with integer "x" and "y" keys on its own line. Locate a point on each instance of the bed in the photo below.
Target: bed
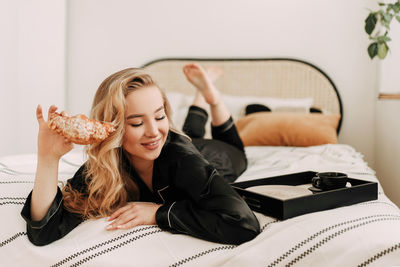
{"x": 363, "y": 234}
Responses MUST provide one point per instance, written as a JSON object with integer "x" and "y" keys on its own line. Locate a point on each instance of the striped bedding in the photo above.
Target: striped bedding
{"x": 365, "y": 234}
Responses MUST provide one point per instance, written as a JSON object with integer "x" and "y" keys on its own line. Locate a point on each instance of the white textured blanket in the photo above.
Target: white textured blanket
{"x": 365, "y": 234}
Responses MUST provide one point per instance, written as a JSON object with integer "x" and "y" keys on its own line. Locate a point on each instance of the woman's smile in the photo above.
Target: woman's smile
{"x": 152, "y": 145}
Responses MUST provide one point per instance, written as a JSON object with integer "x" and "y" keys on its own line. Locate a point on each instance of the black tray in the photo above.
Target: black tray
{"x": 359, "y": 191}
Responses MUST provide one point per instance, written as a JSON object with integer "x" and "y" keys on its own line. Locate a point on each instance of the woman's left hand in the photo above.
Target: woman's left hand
{"x": 133, "y": 214}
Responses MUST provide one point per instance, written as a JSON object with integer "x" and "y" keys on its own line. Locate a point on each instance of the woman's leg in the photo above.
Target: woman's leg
{"x": 206, "y": 92}
{"x": 194, "y": 125}
{"x": 223, "y": 128}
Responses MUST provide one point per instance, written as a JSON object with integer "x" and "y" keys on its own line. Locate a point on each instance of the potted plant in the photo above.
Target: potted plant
{"x": 379, "y": 20}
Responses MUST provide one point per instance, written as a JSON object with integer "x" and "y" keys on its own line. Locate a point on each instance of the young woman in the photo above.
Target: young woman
{"x": 146, "y": 172}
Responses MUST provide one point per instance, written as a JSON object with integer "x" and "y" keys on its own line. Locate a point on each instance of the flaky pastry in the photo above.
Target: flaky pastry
{"x": 79, "y": 129}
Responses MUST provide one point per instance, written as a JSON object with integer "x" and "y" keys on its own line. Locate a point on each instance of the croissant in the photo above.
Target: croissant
{"x": 80, "y": 129}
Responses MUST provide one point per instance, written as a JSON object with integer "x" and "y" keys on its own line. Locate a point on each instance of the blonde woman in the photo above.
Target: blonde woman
{"x": 146, "y": 172}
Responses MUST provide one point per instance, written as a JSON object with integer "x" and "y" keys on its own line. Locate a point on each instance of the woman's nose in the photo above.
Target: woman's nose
{"x": 152, "y": 129}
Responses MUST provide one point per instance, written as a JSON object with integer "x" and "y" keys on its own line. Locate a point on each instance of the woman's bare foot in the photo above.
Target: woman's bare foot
{"x": 203, "y": 81}
{"x": 214, "y": 73}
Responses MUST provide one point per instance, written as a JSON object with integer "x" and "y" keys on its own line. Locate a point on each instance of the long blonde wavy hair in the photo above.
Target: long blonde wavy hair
{"x": 108, "y": 183}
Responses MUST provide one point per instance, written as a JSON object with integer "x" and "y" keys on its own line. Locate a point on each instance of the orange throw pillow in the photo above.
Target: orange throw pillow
{"x": 288, "y": 129}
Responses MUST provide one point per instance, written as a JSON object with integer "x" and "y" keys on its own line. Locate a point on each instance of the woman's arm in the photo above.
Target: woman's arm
{"x": 212, "y": 211}
{"x": 44, "y": 189}
{"x": 47, "y": 220}
{"x": 51, "y": 147}
{"x": 56, "y": 221}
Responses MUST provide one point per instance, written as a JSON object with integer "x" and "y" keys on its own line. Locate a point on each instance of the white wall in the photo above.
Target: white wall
{"x": 8, "y": 74}
{"x": 387, "y": 142}
{"x": 388, "y": 75}
{"x": 388, "y": 147}
{"x": 32, "y": 68}
{"x": 106, "y": 36}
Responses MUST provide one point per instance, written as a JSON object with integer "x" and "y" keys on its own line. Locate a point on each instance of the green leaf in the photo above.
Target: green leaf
{"x": 370, "y": 23}
{"x": 383, "y": 39}
{"x": 374, "y": 38}
{"x": 387, "y": 17}
{"x": 386, "y": 39}
{"x": 398, "y": 18}
{"x": 385, "y": 24}
{"x": 382, "y": 50}
{"x": 381, "y": 4}
{"x": 373, "y": 50}
{"x": 394, "y": 7}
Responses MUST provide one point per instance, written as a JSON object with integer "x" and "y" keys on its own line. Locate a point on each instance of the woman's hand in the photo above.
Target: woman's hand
{"x": 133, "y": 214}
{"x": 50, "y": 144}
{"x": 51, "y": 147}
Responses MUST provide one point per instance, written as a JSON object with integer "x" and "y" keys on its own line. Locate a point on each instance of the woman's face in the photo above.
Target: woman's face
{"x": 146, "y": 124}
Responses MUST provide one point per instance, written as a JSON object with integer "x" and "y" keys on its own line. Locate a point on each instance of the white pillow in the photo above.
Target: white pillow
{"x": 179, "y": 104}
{"x": 236, "y": 105}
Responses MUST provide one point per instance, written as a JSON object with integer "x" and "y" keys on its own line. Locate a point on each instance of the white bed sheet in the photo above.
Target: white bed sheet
{"x": 365, "y": 234}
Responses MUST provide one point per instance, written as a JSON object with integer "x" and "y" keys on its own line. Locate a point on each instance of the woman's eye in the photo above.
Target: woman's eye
{"x": 160, "y": 117}
{"x": 136, "y": 124}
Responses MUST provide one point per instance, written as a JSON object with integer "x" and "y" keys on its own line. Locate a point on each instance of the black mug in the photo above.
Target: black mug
{"x": 329, "y": 180}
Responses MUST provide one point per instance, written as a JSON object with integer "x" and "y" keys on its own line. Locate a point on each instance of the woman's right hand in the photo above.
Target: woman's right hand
{"x": 51, "y": 145}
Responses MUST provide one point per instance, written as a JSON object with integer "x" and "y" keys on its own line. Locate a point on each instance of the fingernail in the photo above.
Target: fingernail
{"x": 119, "y": 226}
{"x": 109, "y": 227}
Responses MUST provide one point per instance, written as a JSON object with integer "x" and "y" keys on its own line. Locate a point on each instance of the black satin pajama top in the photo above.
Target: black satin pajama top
{"x": 196, "y": 200}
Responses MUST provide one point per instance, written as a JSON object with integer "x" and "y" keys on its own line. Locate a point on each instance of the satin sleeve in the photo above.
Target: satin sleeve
{"x": 57, "y": 222}
{"x": 211, "y": 209}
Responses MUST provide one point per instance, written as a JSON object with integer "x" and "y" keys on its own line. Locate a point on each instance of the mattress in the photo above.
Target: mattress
{"x": 364, "y": 234}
